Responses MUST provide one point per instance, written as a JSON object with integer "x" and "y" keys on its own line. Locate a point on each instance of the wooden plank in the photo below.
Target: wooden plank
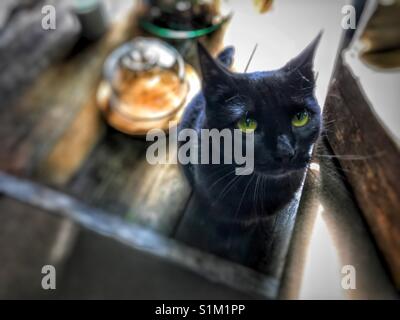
{"x": 328, "y": 210}
{"x": 370, "y": 159}
{"x": 118, "y": 178}
{"x": 29, "y": 240}
{"x": 103, "y": 268}
{"x": 73, "y": 147}
{"x": 139, "y": 238}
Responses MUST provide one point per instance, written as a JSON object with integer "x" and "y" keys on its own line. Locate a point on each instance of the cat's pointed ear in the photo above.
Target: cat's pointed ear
{"x": 304, "y": 62}
{"x": 212, "y": 70}
{"x": 226, "y": 56}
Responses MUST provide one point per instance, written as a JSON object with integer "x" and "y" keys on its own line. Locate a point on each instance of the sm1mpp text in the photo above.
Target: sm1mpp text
{"x": 223, "y": 309}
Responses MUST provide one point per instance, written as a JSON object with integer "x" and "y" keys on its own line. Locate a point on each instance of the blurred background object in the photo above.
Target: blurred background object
{"x": 183, "y": 19}
{"x": 263, "y": 5}
{"x": 146, "y": 84}
{"x": 381, "y": 37}
{"x": 92, "y": 16}
{"x": 26, "y": 48}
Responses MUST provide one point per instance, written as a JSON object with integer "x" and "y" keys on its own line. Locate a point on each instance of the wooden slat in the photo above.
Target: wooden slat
{"x": 29, "y": 240}
{"x": 73, "y": 147}
{"x": 118, "y": 178}
{"x": 137, "y": 237}
{"x": 370, "y": 160}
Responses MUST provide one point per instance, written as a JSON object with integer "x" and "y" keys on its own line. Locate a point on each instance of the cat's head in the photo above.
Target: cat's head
{"x": 279, "y": 106}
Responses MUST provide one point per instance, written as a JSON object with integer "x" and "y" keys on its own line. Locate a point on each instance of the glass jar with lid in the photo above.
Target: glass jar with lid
{"x": 145, "y": 85}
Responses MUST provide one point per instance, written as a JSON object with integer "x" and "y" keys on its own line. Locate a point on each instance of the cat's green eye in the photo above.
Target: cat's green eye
{"x": 300, "y": 119}
{"x": 247, "y": 125}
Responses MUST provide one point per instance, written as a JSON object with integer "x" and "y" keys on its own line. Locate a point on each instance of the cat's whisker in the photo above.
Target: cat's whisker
{"x": 350, "y": 156}
{"x": 251, "y": 57}
{"x": 228, "y": 187}
{"x": 306, "y": 88}
{"x": 257, "y": 202}
{"x": 334, "y": 172}
{"x": 255, "y": 193}
{"x": 302, "y": 76}
{"x": 262, "y": 194}
{"x": 221, "y": 178}
{"x": 330, "y": 174}
{"x": 217, "y": 170}
{"x": 260, "y": 198}
{"x": 334, "y": 175}
{"x": 326, "y": 171}
{"x": 243, "y": 196}
{"x": 331, "y": 121}
{"x": 336, "y": 96}
{"x": 314, "y": 175}
{"x": 232, "y": 98}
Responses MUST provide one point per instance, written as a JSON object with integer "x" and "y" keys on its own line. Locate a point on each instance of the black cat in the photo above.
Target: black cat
{"x": 279, "y": 107}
